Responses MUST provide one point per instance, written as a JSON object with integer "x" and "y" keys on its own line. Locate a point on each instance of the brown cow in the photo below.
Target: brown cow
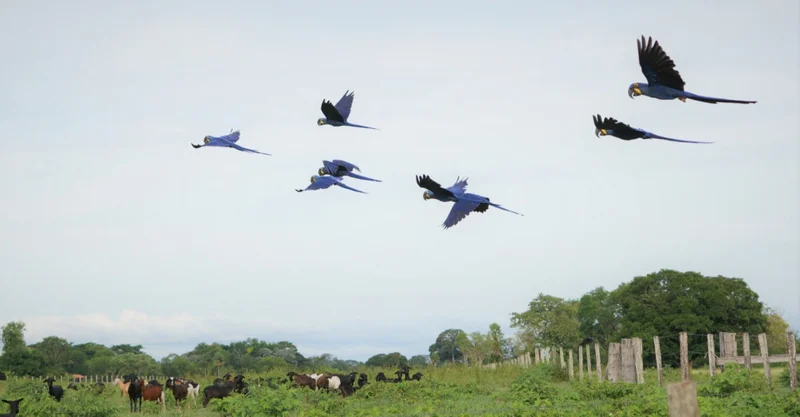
{"x": 154, "y": 392}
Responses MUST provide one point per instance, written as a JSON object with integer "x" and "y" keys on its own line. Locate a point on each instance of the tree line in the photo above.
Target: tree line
{"x": 663, "y": 304}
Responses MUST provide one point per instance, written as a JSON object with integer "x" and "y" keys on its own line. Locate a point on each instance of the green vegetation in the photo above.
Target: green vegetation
{"x": 451, "y": 390}
{"x": 662, "y": 303}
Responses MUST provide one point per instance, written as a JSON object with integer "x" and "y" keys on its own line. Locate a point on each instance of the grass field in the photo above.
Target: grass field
{"x": 542, "y": 390}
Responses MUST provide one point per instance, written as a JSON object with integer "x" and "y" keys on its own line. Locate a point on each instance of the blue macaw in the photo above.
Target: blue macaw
{"x": 663, "y": 80}
{"x": 337, "y": 115}
{"x": 610, "y": 126}
{"x": 465, "y": 203}
{"x": 228, "y": 141}
{"x": 321, "y": 183}
{"x": 339, "y": 169}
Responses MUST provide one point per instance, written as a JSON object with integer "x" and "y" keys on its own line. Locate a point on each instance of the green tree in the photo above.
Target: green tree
{"x": 176, "y": 365}
{"x": 419, "y": 361}
{"x": 498, "y": 344}
{"x": 475, "y": 347}
{"x": 668, "y": 302}
{"x": 56, "y": 354}
{"x": 550, "y": 321}
{"x": 597, "y": 315}
{"x": 376, "y": 360}
{"x": 446, "y": 346}
{"x": 14, "y": 336}
{"x": 776, "y": 329}
{"x": 122, "y": 349}
{"x": 23, "y": 362}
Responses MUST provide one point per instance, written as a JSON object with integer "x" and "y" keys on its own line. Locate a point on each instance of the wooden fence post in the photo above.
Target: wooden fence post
{"x": 712, "y": 358}
{"x": 684, "y": 339}
{"x": 588, "y": 361}
{"x": 571, "y": 370}
{"x": 580, "y": 363}
{"x": 628, "y": 361}
{"x": 660, "y": 370}
{"x": 597, "y": 361}
{"x": 536, "y": 355}
{"x": 682, "y": 399}
{"x": 614, "y": 358}
{"x": 764, "y": 350}
{"x": 748, "y": 364}
{"x": 792, "y": 360}
{"x": 561, "y": 357}
{"x": 638, "y": 361}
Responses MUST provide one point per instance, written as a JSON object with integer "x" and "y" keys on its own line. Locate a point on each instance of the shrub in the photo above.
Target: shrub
{"x": 734, "y": 379}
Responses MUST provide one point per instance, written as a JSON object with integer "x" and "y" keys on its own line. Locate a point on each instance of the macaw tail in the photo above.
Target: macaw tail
{"x": 363, "y": 127}
{"x": 505, "y": 209}
{"x": 361, "y": 177}
{"x": 652, "y": 136}
{"x": 714, "y": 100}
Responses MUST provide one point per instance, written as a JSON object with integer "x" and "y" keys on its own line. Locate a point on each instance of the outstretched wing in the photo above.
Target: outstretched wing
{"x": 361, "y": 177}
{"x": 330, "y": 111}
{"x": 619, "y": 128}
{"x": 426, "y": 182}
{"x": 459, "y": 187}
{"x": 344, "y": 104}
{"x": 657, "y": 66}
{"x": 460, "y": 210}
{"x": 343, "y": 185}
{"x": 231, "y": 137}
{"x": 331, "y": 167}
{"x": 221, "y": 141}
{"x": 346, "y": 164}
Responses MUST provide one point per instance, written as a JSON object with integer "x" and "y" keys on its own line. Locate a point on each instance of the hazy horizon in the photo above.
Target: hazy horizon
{"x": 115, "y": 230}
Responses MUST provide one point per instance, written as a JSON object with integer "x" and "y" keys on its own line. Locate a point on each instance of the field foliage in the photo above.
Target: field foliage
{"x": 542, "y": 390}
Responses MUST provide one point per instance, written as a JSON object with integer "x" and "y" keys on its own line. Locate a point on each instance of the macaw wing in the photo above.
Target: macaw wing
{"x": 657, "y": 66}
{"x": 426, "y": 182}
{"x": 231, "y": 137}
{"x": 459, "y": 187}
{"x": 619, "y": 128}
{"x": 330, "y": 111}
{"x": 331, "y": 167}
{"x": 346, "y": 164}
{"x": 224, "y": 142}
{"x": 460, "y": 210}
{"x": 343, "y": 185}
{"x": 344, "y": 104}
{"x": 361, "y": 177}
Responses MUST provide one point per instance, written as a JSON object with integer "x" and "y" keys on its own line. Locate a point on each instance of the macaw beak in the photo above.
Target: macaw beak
{"x": 635, "y": 91}
{"x": 600, "y": 132}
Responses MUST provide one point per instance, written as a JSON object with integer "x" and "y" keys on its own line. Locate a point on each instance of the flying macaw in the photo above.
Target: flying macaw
{"x": 663, "y": 80}
{"x": 337, "y": 115}
{"x": 339, "y": 169}
{"x": 610, "y": 126}
{"x": 465, "y": 203}
{"x": 228, "y": 141}
{"x": 321, "y": 183}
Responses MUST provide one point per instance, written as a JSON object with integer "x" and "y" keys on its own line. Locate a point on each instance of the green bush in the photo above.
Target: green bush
{"x": 38, "y": 402}
{"x": 259, "y": 402}
{"x": 734, "y": 379}
{"x": 783, "y": 378}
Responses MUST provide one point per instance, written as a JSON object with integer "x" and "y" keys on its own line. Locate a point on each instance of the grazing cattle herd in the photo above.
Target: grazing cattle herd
{"x": 137, "y": 390}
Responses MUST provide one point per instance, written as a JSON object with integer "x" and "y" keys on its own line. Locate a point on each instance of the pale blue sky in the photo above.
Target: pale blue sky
{"x": 108, "y": 214}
